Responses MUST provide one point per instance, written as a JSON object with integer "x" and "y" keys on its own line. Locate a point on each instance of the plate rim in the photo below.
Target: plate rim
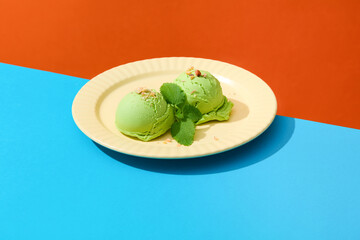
{"x": 93, "y": 81}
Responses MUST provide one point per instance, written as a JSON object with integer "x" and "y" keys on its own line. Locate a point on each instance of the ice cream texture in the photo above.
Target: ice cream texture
{"x": 144, "y": 114}
{"x": 204, "y": 92}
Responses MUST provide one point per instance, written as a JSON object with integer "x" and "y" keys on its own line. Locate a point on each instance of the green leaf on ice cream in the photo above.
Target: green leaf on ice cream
{"x": 183, "y": 129}
{"x": 173, "y": 94}
{"x": 192, "y": 112}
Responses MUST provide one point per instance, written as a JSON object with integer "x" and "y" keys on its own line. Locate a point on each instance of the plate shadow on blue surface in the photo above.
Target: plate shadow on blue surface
{"x": 262, "y": 147}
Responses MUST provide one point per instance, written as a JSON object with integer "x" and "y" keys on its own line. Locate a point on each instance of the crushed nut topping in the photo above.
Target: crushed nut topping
{"x": 145, "y": 92}
{"x": 139, "y": 90}
{"x": 188, "y": 71}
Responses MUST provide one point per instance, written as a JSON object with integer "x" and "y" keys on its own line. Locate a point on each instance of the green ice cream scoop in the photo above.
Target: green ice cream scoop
{"x": 144, "y": 114}
{"x": 204, "y": 92}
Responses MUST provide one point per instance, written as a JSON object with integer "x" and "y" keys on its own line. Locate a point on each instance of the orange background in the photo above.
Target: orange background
{"x": 308, "y": 51}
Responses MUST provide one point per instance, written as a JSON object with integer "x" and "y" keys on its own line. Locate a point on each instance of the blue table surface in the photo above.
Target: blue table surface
{"x": 298, "y": 180}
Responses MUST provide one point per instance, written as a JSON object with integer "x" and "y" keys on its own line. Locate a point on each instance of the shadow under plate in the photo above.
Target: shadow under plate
{"x": 262, "y": 147}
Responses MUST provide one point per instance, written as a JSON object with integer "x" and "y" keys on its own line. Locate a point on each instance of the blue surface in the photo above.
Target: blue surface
{"x": 298, "y": 180}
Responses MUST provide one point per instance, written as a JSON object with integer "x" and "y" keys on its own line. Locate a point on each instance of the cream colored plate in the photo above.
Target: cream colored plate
{"x": 95, "y": 104}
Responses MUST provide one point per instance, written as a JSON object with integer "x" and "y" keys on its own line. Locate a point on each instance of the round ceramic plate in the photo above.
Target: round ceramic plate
{"x": 95, "y": 105}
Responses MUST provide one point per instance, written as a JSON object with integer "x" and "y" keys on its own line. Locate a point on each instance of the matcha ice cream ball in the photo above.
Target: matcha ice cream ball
{"x": 144, "y": 114}
{"x": 204, "y": 92}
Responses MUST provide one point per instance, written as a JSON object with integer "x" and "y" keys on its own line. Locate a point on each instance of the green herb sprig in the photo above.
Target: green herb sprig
{"x": 186, "y": 115}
